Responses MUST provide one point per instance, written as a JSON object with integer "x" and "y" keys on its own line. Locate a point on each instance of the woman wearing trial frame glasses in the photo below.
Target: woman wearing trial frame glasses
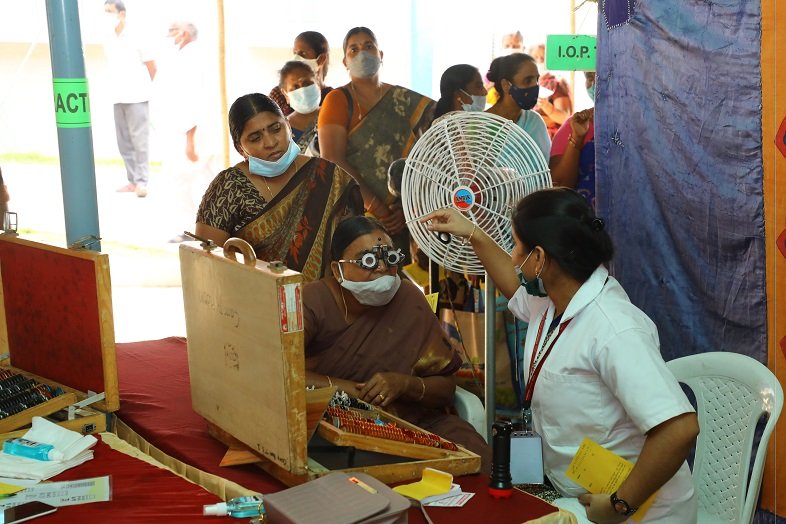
{"x": 374, "y": 336}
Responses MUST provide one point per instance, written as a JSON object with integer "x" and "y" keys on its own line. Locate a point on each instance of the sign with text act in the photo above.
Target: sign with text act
{"x": 72, "y": 102}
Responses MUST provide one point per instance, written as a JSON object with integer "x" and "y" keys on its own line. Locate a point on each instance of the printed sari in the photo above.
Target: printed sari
{"x": 307, "y": 139}
{"x": 403, "y": 336}
{"x": 296, "y": 226}
{"x": 387, "y": 133}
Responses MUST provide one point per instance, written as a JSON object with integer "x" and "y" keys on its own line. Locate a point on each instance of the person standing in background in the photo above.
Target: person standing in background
{"x": 298, "y": 83}
{"x": 179, "y": 118}
{"x": 557, "y": 107}
{"x": 366, "y": 124}
{"x": 131, "y": 72}
{"x": 511, "y": 43}
{"x": 515, "y": 78}
{"x": 572, "y": 161}
{"x": 312, "y": 48}
{"x": 460, "y": 89}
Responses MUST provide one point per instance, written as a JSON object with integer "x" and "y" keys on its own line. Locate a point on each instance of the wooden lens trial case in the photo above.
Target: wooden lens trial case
{"x": 56, "y": 326}
{"x": 246, "y": 359}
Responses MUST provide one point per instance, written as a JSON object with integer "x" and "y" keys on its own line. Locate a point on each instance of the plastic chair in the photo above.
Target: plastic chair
{"x": 732, "y": 392}
{"x": 470, "y": 408}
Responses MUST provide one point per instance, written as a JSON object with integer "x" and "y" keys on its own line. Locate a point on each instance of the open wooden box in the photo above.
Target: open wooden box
{"x": 56, "y": 326}
{"x": 246, "y": 359}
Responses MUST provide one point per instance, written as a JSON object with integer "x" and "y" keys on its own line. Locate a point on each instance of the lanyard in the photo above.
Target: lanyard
{"x": 536, "y": 365}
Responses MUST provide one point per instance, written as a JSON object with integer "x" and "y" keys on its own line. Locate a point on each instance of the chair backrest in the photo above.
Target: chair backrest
{"x": 732, "y": 392}
{"x": 469, "y": 408}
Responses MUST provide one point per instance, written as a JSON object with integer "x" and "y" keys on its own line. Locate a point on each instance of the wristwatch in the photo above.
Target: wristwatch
{"x": 620, "y": 506}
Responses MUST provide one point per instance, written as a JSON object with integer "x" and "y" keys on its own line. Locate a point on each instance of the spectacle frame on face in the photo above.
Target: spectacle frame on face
{"x": 369, "y": 260}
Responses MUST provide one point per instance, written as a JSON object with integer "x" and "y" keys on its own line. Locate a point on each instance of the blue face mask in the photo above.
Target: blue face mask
{"x": 535, "y": 286}
{"x": 525, "y": 97}
{"x": 591, "y": 92}
{"x": 257, "y": 166}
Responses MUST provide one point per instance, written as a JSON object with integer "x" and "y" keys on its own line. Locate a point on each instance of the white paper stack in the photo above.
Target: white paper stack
{"x": 74, "y": 446}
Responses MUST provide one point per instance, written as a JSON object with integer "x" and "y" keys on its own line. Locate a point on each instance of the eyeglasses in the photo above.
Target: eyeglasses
{"x": 369, "y": 260}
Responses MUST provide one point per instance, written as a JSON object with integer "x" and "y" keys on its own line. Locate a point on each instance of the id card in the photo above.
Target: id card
{"x": 526, "y": 458}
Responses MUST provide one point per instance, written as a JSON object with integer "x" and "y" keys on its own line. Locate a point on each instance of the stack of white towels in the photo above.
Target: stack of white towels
{"x": 74, "y": 446}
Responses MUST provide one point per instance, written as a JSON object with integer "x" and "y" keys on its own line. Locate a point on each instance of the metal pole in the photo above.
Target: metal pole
{"x": 222, "y": 79}
{"x": 72, "y": 117}
{"x": 490, "y": 355}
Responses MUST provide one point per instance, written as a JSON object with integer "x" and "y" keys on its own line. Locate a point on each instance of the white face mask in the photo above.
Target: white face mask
{"x": 478, "y": 102}
{"x": 306, "y": 99}
{"x": 377, "y": 292}
{"x": 310, "y": 61}
{"x": 364, "y": 65}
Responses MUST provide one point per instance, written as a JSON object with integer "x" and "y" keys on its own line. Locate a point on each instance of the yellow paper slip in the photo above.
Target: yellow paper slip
{"x": 599, "y": 470}
{"x": 434, "y": 482}
{"x": 433, "y": 300}
{"x": 9, "y": 489}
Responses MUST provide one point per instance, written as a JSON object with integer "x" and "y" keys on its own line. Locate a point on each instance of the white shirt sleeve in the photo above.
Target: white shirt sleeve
{"x": 631, "y": 366}
{"x": 522, "y": 304}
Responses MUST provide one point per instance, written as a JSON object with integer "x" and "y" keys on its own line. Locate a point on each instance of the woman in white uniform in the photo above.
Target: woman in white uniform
{"x": 595, "y": 368}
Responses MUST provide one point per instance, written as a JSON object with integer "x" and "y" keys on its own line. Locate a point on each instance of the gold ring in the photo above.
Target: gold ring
{"x": 381, "y": 396}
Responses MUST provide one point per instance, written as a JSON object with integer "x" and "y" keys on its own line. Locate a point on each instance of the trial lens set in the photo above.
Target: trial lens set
{"x": 18, "y": 393}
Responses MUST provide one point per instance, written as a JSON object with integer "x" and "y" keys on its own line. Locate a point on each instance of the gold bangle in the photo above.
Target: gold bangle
{"x": 423, "y": 385}
{"x": 330, "y": 382}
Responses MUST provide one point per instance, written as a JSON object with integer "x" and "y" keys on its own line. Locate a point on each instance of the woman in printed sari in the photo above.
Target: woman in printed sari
{"x": 367, "y": 124}
{"x": 373, "y": 335}
{"x": 284, "y": 204}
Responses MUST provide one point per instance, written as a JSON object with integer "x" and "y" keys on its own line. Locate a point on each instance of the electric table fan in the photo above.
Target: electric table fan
{"x": 482, "y": 165}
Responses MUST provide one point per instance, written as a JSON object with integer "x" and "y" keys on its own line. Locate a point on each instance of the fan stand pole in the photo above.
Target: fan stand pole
{"x": 490, "y": 355}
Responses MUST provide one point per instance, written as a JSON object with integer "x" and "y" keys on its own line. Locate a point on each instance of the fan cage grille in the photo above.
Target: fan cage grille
{"x": 478, "y": 163}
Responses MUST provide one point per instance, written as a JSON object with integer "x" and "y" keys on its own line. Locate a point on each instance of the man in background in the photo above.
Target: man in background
{"x": 131, "y": 73}
{"x": 179, "y": 118}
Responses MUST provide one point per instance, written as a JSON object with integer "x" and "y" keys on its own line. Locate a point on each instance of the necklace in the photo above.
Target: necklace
{"x": 268, "y": 188}
{"x": 357, "y": 102}
{"x": 264, "y": 179}
{"x": 357, "y": 99}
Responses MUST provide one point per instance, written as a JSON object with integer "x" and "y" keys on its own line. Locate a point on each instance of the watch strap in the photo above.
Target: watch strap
{"x": 622, "y": 507}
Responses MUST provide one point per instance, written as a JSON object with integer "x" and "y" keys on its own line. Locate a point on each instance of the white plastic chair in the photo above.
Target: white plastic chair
{"x": 470, "y": 408}
{"x": 732, "y": 392}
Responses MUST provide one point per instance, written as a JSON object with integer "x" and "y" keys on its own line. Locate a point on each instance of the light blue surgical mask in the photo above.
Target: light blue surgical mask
{"x": 305, "y": 100}
{"x": 265, "y": 168}
{"x": 591, "y": 92}
{"x": 478, "y": 102}
{"x": 364, "y": 65}
{"x": 535, "y": 286}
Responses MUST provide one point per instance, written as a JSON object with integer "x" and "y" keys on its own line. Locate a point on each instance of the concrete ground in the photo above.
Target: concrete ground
{"x": 145, "y": 270}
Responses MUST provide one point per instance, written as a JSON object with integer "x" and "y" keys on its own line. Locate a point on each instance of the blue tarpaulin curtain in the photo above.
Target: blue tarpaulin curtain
{"x": 679, "y": 168}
